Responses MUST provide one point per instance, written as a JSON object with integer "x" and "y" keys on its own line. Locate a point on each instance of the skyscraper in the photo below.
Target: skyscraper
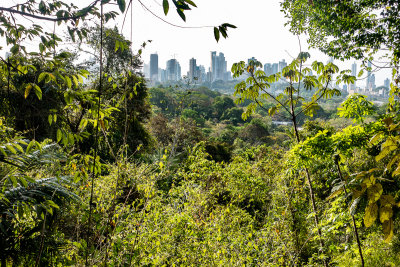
{"x": 171, "y": 70}
{"x": 192, "y": 70}
{"x": 386, "y": 83}
{"x": 218, "y": 66}
{"x": 146, "y": 70}
{"x": 282, "y": 64}
{"x": 213, "y": 65}
{"x": 275, "y": 68}
{"x": 372, "y": 82}
{"x": 178, "y": 74}
{"x": 353, "y": 73}
{"x": 153, "y": 67}
{"x": 268, "y": 69}
{"x": 221, "y": 66}
{"x": 369, "y": 85}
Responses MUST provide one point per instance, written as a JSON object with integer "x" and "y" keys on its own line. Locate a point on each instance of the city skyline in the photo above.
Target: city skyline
{"x": 218, "y": 70}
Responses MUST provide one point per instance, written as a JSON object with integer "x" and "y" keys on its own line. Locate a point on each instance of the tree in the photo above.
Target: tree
{"x": 221, "y": 104}
{"x": 347, "y": 29}
{"x": 256, "y": 87}
{"x": 351, "y": 29}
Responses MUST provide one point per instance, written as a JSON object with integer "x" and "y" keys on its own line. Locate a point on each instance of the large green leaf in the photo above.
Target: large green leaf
{"x": 371, "y": 213}
{"x": 165, "y": 6}
{"x": 121, "y": 5}
{"x": 388, "y": 230}
{"x": 374, "y": 193}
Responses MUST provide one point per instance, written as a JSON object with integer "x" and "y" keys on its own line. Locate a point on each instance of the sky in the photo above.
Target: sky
{"x": 260, "y": 33}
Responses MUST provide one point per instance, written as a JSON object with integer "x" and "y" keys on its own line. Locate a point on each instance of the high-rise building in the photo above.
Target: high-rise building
{"x": 268, "y": 69}
{"x": 153, "y": 67}
{"x": 353, "y": 73}
{"x": 372, "y": 82}
{"x": 172, "y": 70}
{"x": 275, "y": 68}
{"x": 178, "y": 73}
{"x": 221, "y": 66}
{"x": 282, "y": 65}
{"x": 386, "y": 83}
{"x": 146, "y": 70}
{"x": 218, "y": 66}
{"x": 162, "y": 75}
{"x": 213, "y": 65}
{"x": 202, "y": 73}
{"x": 193, "y": 75}
{"x": 369, "y": 84}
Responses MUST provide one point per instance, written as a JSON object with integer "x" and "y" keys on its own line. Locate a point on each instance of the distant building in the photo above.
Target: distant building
{"x": 162, "y": 75}
{"x": 202, "y": 73}
{"x": 218, "y": 66}
{"x": 221, "y": 66}
{"x": 372, "y": 82}
{"x": 282, "y": 65}
{"x": 268, "y": 69}
{"x": 369, "y": 84}
{"x": 178, "y": 71}
{"x": 275, "y": 68}
{"x": 213, "y": 65}
{"x": 146, "y": 70}
{"x": 173, "y": 70}
{"x": 192, "y": 75}
{"x": 386, "y": 83}
{"x": 353, "y": 73}
{"x": 154, "y": 67}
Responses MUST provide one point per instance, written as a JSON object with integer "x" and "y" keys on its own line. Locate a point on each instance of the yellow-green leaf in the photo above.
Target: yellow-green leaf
{"x": 375, "y": 138}
{"x": 383, "y": 153}
{"x": 369, "y": 181}
{"x": 41, "y": 76}
{"x": 397, "y": 171}
{"x": 334, "y": 194}
{"x": 27, "y": 90}
{"x": 387, "y": 200}
{"x": 59, "y": 135}
{"x": 11, "y": 149}
{"x": 374, "y": 193}
{"x": 385, "y": 214}
{"x": 388, "y": 230}
{"x": 38, "y": 91}
{"x": 68, "y": 81}
{"x": 371, "y": 213}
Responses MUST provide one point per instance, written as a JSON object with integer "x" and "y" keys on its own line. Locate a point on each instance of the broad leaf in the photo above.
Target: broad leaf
{"x": 371, "y": 213}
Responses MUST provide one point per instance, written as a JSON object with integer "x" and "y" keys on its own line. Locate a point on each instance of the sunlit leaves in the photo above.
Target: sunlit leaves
{"x": 356, "y": 107}
{"x": 371, "y": 213}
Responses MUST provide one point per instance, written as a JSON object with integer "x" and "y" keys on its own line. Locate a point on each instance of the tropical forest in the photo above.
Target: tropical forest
{"x": 100, "y": 166}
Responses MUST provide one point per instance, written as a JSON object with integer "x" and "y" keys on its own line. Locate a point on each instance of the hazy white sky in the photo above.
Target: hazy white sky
{"x": 261, "y": 33}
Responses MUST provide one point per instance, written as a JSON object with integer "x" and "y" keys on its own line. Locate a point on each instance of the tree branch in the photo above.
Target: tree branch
{"x": 270, "y": 95}
{"x": 14, "y": 11}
